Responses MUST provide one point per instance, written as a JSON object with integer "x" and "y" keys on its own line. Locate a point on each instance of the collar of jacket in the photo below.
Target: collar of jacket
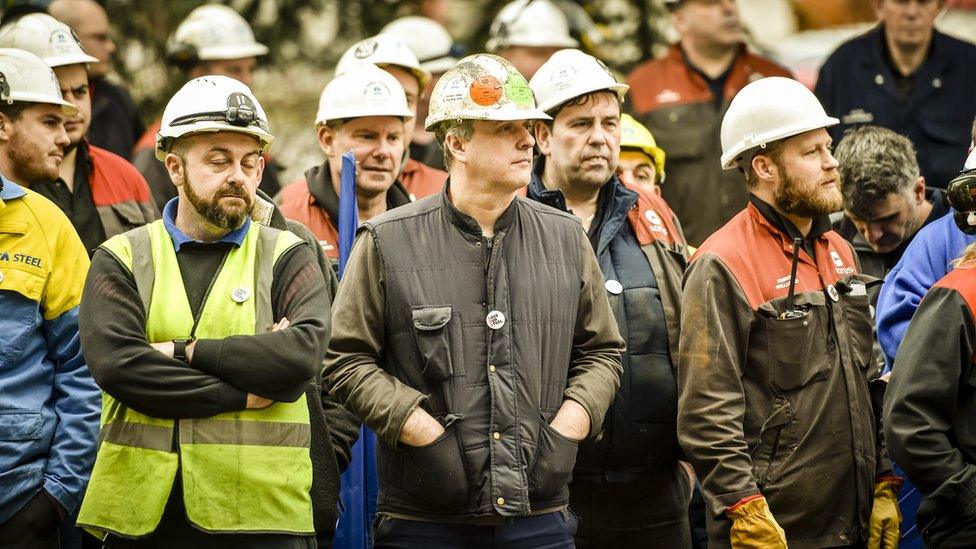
{"x": 9, "y": 190}
{"x": 775, "y": 223}
{"x": 737, "y": 74}
{"x": 876, "y": 58}
{"x": 319, "y": 179}
{"x": 615, "y": 202}
{"x": 466, "y": 223}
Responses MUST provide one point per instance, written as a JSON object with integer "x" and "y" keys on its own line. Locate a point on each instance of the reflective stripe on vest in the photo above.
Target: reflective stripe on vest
{"x": 245, "y": 471}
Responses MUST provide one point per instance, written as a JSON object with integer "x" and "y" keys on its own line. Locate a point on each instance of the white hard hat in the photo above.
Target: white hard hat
{"x": 383, "y": 50}
{"x": 572, "y": 73}
{"x": 482, "y": 87}
{"x": 364, "y": 90}
{"x": 26, "y": 77}
{"x": 212, "y": 32}
{"x": 430, "y": 41}
{"x": 212, "y": 104}
{"x": 46, "y": 37}
{"x": 536, "y": 23}
{"x": 768, "y": 110}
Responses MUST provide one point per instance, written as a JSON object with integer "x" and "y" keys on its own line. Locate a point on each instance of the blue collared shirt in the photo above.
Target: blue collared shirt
{"x": 10, "y": 189}
{"x": 235, "y": 237}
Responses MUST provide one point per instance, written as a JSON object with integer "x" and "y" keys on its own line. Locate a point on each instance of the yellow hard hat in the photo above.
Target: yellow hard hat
{"x": 633, "y": 135}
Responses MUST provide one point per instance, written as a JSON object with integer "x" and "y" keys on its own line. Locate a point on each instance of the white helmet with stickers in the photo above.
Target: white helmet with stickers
{"x": 364, "y": 90}
{"x": 27, "y": 78}
{"x": 46, "y": 37}
{"x": 212, "y": 104}
{"x": 482, "y": 87}
{"x": 569, "y": 74}
{"x": 383, "y": 50}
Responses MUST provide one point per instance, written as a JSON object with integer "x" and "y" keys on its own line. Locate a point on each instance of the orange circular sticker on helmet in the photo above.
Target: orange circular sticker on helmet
{"x": 486, "y": 91}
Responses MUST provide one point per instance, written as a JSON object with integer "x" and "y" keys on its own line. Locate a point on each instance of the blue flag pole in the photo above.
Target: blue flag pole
{"x": 358, "y": 484}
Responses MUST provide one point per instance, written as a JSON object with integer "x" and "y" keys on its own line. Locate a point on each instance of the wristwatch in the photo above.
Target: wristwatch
{"x": 179, "y": 348}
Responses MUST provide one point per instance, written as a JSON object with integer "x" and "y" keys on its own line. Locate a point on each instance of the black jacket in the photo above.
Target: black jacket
{"x": 416, "y": 322}
{"x": 856, "y": 84}
{"x": 640, "y": 429}
{"x": 930, "y": 410}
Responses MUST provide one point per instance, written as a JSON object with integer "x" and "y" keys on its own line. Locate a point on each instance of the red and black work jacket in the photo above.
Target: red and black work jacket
{"x": 774, "y": 396}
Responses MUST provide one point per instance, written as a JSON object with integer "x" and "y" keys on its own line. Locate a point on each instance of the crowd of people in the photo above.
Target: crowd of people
{"x": 699, "y": 306}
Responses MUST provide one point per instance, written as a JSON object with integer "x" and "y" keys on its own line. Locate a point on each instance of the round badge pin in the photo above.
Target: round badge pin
{"x": 614, "y": 287}
{"x": 832, "y": 292}
{"x": 495, "y": 320}
{"x": 240, "y": 295}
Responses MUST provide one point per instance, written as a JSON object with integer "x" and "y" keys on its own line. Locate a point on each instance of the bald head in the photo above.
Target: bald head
{"x": 90, "y": 22}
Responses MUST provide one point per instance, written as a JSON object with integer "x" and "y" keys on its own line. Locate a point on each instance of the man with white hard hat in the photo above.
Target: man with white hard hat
{"x": 775, "y": 409}
{"x": 363, "y": 110}
{"x": 115, "y": 122}
{"x": 436, "y": 51}
{"x": 213, "y": 39}
{"x": 395, "y": 57}
{"x": 50, "y": 403}
{"x": 528, "y": 32}
{"x": 101, "y": 193}
{"x": 204, "y": 329}
{"x": 628, "y": 487}
{"x": 472, "y": 333}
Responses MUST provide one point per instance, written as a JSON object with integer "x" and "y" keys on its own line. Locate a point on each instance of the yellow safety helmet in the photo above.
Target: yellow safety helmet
{"x": 633, "y": 135}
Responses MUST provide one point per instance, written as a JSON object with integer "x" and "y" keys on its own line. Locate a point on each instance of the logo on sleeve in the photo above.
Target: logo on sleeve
{"x": 655, "y": 223}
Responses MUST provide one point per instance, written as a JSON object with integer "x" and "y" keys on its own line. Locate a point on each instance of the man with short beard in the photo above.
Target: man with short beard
{"x": 628, "y": 487}
{"x": 204, "y": 329}
{"x": 49, "y": 404}
{"x": 374, "y": 131}
{"x": 101, "y": 193}
{"x": 775, "y": 411}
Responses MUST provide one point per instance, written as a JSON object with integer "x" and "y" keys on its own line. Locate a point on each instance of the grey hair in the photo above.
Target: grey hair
{"x": 874, "y": 162}
{"x": 460, "y": 128}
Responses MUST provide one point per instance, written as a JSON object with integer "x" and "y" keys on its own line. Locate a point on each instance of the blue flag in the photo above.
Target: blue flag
{"x": 359, "y": 484}
{"x": 348, "y": 211}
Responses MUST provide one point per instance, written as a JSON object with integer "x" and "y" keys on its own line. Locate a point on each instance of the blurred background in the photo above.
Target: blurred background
{"x": 306, "y": 38}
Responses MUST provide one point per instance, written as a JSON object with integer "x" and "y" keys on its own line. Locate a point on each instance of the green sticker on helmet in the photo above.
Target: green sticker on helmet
{"x": 517, "y": 90}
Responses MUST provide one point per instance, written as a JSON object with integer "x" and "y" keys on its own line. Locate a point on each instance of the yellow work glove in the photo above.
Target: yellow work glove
{"x": 884, "y": 529}
{"x": 753, "y": 526}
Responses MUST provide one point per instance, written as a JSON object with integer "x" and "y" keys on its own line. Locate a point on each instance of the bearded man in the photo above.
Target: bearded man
{"x": 774, "y": 410}
{"x": 203, "y": 330}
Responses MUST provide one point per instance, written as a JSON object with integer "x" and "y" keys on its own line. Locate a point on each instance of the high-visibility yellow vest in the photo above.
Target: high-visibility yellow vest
{"x": 242, "y": 472}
